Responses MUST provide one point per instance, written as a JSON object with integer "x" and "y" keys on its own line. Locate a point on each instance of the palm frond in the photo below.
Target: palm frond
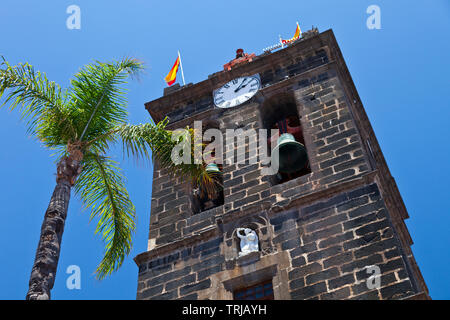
{"x": 97, "y": 96}
{"x": 141, "y": 140}
{"x": 101, "y": 188}
{"x": 41, "y": 102}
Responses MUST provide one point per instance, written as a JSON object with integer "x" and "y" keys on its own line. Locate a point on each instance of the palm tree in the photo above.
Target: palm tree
{"x": 81, "y": 123}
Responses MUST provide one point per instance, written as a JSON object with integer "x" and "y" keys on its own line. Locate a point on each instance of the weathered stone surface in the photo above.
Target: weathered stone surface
{"x": 318, "y": 232}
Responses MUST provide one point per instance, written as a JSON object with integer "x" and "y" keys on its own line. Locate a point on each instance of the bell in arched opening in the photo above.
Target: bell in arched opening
{"x": 289, "y": 155}
{"x": 212, "y": 168}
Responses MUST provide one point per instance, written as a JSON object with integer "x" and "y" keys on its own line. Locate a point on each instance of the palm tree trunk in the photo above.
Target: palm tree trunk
{"x": 47, "y": 254}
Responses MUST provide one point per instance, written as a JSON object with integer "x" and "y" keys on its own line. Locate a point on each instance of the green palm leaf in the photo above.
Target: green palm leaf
{"x": 41, "y": 102}
{"x": 140, "y": 140}
{"x": 97, "y": 97}
{"x": 101, "y": 188}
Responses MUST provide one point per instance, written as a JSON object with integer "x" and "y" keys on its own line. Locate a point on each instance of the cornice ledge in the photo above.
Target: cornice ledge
{"x": 326, "y": 192}
{"x": 173, "y": 246}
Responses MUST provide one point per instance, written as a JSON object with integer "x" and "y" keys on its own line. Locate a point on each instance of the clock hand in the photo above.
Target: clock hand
{"x": 240, "y": 86}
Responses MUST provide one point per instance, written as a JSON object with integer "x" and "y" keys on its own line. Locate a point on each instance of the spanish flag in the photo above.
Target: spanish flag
{"x": 172, "y": 75}
{"x": 297, "y": 35}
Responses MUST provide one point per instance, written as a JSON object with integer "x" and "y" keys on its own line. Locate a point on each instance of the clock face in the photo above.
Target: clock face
{"x": 237, "y": 91}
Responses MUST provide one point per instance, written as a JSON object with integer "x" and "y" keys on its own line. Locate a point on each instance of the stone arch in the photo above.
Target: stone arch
{"x": 200, "y": 200}
{"x": 280, "y": 111}
{"x": 259, "y": 224}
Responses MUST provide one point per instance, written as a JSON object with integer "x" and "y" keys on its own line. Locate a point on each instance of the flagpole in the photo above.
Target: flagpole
{"x": 181, "y": 67}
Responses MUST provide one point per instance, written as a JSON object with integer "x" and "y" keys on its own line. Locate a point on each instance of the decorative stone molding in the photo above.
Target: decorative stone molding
{"x": 262, "y": 268}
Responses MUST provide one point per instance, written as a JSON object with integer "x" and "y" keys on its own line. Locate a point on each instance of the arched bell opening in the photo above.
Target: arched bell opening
{"x": 203, "y": 199}
{"x": 280, "y": 112}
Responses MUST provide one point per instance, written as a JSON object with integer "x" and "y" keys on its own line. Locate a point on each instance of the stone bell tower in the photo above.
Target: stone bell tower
{"x": 319, "y": 228}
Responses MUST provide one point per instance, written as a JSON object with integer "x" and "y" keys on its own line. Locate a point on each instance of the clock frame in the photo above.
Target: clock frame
{"x": 237, "y": 91}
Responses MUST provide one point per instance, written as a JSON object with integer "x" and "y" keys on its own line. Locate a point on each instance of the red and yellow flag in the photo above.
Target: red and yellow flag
{"x": 297, "y": 35}
{"x": 297, "y": 32}
{"x": 172, "y": 75}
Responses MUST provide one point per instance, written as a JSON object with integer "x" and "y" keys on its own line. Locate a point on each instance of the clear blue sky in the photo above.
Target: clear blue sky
{"x": 401, "y": 73}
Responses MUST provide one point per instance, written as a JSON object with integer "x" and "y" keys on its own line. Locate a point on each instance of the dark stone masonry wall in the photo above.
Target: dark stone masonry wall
{"x": 330, "y": 243}
{"x": 319, "y": 232}
{"x": 334, "y": 149}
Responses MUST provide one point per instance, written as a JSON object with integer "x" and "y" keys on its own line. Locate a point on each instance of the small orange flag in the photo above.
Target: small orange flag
{"x": 297, "y": 35}
{"x": 297, "y": 32}
{"x": 172, "y": 75}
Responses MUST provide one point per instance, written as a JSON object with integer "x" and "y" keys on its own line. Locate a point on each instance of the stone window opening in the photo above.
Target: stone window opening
{"x": 280, "y": 112}
{"x": 201, "y": 200}
{"x": 260, "y": 291}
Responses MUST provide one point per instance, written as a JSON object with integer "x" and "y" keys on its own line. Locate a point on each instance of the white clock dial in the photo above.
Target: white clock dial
{"x": 237, "y": 91}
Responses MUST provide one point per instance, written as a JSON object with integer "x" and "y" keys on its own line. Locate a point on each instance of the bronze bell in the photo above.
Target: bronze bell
{"x": 292, "y": 155}
{"x": 212, "y": 168}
